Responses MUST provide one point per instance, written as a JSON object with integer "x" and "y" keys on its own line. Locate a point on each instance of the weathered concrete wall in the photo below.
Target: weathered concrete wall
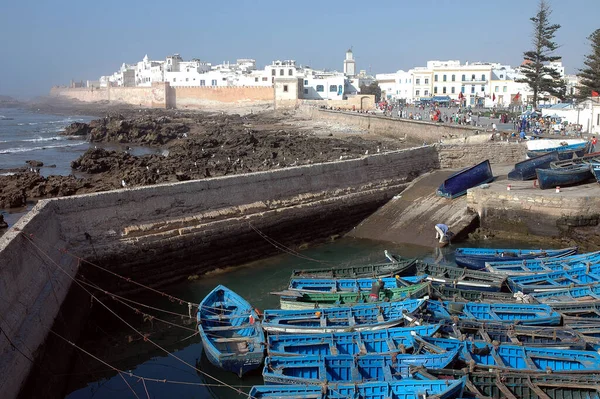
{"x": 415, "y": 131}
{"x": 164, "y": 233}
{"x": 197, "y": 97}
{"x": 32, "y": 289}
{"x": 463, "y": 155}
{"x": 358, "y": 102}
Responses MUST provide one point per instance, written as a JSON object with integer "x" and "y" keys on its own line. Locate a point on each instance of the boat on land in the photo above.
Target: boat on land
{"x": 564, "y": 151}
{"x": 596, "y": 171}
{"x": 231, "y": 334}
{"x": 462, "y": 278}
{"x": 486, "y": 356}
{"x": 336, "y": 285}
{"x": 592, "y": 158}
{"x": 399, "y": 267}
{"x": 512, "y": 385}
{"x": 404, "y": 389}
{"x": 392, "y": 340}
{"x": 531, "y": 336}
{"x": 524, "y": 314}
{"x": 320, "y": 300}
{"x": 566, "y": 176}
{"x": 458, "y": 184}
{"x": 543, "y": 265}
{"x": 366, "y": 317}
{"x": 578, "y": 277}
{"x": 476, "y": 258}
{"x": 317, "y": 370}
{"x": 525, "y": 170}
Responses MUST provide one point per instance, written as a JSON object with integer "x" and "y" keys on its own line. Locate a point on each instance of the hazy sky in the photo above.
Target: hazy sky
{"x": 45, "y": 43}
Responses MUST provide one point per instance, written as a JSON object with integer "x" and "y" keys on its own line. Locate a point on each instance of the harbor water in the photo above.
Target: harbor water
{"x": 115, "y": 343}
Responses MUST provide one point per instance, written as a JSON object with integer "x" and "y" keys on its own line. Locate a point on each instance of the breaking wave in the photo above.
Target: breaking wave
{"x": 27, "y": 149}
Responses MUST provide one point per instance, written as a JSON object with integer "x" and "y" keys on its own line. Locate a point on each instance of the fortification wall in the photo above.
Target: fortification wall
{"x": 463, "y": 155}
{"x": 415, "y": 131}
{"x": 150, "y": 97}
{"x": 196, "y": 97}
{"x": 163, "y": 233}
{"x": 358, "y": 102}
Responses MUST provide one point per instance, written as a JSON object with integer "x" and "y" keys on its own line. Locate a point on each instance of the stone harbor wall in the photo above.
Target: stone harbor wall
{"x": 464, "y": 155}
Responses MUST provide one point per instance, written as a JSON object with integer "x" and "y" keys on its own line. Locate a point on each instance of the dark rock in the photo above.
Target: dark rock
{"x": 77, "y": 129}
{"x": 3, "y": 224}
{"x": 34, "y": 164}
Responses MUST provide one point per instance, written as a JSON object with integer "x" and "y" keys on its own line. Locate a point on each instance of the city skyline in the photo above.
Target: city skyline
{"x": 70, "y": 40}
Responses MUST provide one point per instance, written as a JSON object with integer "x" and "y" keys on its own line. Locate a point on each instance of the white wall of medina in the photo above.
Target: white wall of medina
{"x": 323, "y": 87}
{"x": 396, "y": 86}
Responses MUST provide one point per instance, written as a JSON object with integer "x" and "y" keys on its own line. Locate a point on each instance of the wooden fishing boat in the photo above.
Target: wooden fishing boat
{"x": 578, "y": 312}
{"x": 476, "y": 258}
{"x": 457, "y": 277}
{"x": 367, "y": 317}
{"x": 564, "y": 152}
{"x": 512, "y": 385}
{"x": 569, "y": 175}
{"x": 317, "y": 370}
{"x": 458, "y": 184}
{"x": 320, "y": 300}
{"x": 457, "y": 295}
{"x": 403, "y": 266}
{"x": 592, "y": 158}
{"x": 525, "y": 170}
{"x": 335, "y": 285}
{"x": 581, "y": 276}
{"x": 576, "y": 294}
{"x": 543, "y": 265}
{"x": 404, "y": 389}
{"x": 524, "y": 314}
{"x": 532, "y": 336}
{"x": 231, "y": 334}
{"x": 482, "y": 355}
{"x": 392, "y": 340}
{"x": 596, "y": 172}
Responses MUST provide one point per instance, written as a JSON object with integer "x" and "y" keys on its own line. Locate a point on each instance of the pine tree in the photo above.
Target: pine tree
{"x": 590, "y": 76}
{"x": 541, "y": 78}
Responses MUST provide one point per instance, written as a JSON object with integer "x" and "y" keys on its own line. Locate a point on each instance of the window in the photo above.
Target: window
{"x": 214, "y": 82}
{"x": 265, "y": 79}
{"x": 202, "y": 82}
{"x": 426, "y": 81}
{"x": 462, "y": 89}
{"x": 496, "y": 89}
{"x": 291, "y": 72}
{"x": 305, "y": 82}
{"x": 400, "y": 81}
{"x": 174, "y": 79}
{"x": 482, "y": 88}
{"x": 409, "y": 80}
{"x": 444, "y": 78}
{"x": 504, "y": 89}
{"x": 285, "y": 88}
{"x": 417, "y": 92}
{"x": 281, "y": 72}
{"x": 333, "y": 89}
{"x": 305, "y": 91}
{"x": 418, "y": 81}
{"x": 453, "y": 89}
{"x": 444, "y": 90}
{"x": 320, "y": 88}
{"x": 454, "y": 78}
{"x": 483, "y": 78}
{"x": 187, "y": 79}
{"x": 426, "y": 93}
{"x": 472, "y": 89}
{"x": 501, "y": 76}
{"x": 224, "y": 79}
{"x": 435, "y": 79}
{"x": 464, "y": 78}
{"x": 472, "y": 77}
{"x": 273, "y": 72}
{"x": 256, "y": 79}
{"x": 435, "y": 90}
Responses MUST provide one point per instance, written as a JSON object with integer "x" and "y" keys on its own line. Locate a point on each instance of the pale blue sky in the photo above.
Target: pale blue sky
{"x": 46, "y": 42}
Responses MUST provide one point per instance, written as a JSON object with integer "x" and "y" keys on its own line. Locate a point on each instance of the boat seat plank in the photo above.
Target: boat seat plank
{"x": 227, "y": 328}
{"x": 234, "y": 339}
{"x": 504, "y": 389}
{"x": 537, "y": 390}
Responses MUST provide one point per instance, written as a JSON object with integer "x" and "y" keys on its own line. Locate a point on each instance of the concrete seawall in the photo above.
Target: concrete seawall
{"x": 163, "y": 233}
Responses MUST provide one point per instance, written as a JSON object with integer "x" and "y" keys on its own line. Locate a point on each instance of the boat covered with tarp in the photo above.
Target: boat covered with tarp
{"x": 458, "y": 184}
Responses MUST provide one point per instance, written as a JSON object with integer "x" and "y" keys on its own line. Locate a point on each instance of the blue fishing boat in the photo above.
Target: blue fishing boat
{"x": 231, "y": 334}
{"x": 570, "y": 175}
{"x": 581, "y": 276}
{"x": 564, "y": 152}
{"x": 364, "y": 317}
{"x": 532, "y": 336}
{"x": 392, "y": 340}
{"x": 462, "y": 278}
{"x": 317, "y": 370}
{"x": 578, "y": 312}
{"x": 514, "y": 357}
{"x": 458, "y": 184}
{"x": 596, "y": 171}
{"x": 476, "y": 258}
{"x": 592, "y": 158}
{"x": 588, "y": 293}
{"x": 542, "y": 265}
{"x": 525, "y": 170}
{"x": 404, "y": 389}
{"x": 332, "y": 285}
{"x": 524, "y": 314}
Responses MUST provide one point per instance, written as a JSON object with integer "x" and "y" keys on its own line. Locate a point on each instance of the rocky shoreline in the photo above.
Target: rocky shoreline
{"x": 192, "y": 145}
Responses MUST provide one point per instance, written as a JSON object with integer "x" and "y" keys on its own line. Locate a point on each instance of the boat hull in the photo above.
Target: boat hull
{"x": 461, "y": 278}
{"x": 404, "y": 266}
{"x": 551, "y": 178}
{"x": 479, "y": 262}
{"x": 525, "y": 170}
{"x": 458, "y": 184}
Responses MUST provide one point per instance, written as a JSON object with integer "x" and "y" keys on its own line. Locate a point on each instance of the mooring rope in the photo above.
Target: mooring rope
{"x": 142, "y": 335}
